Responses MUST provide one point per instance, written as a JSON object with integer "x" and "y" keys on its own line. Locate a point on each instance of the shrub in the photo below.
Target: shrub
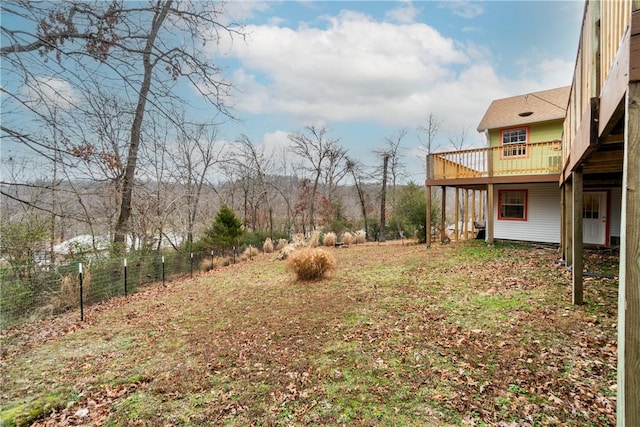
{"x": 311, "y": 264}
{"x": 206, "y": 264}
{"x": 221, "y": 261}
{"x": 360, "y": 236}
{"x": 281, "y": 244}
{"x": 347, "y": 238}
{"x": 298, "y": 240}
{"x": 329, "y": 239}
{"x": 267, "y": 247}
{"x": 314, "y": 239}
{"x": 250, "y": 252}
{"x": 69, "y": 295}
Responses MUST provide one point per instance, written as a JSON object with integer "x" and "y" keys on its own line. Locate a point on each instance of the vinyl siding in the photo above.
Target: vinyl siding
{"x": 614, "y": 212}
{"x": 543, "y": 215}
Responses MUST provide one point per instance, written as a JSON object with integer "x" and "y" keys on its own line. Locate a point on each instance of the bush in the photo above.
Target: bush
{"x": 347, "y": 238}
{"x": 311, "y": 264}
{"x": 206, "y": 264}
{"x": 250, "y": 252}
{"x": 221, "y": 261}
{"x": 281, "y": 244}
{"x": 267, "y": 246}
{"x": 360, "y": 236}
{"x": 314, "y": 239}
{"x": 329, "y": 239}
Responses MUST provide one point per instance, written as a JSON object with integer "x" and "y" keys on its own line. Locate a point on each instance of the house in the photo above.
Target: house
{"x": 596, "y": 193}
{"x": 516, "y": 176}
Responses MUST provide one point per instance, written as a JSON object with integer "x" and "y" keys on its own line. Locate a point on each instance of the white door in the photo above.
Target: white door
{"x": 594, "y": 217}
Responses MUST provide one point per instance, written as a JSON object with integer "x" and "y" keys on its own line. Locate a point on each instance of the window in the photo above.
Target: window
{"x": 514, "y": 142}
{"x": 512, "y": 204}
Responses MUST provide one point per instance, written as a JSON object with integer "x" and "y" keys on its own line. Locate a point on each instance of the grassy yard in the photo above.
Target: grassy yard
{"x": 460, "y": 334}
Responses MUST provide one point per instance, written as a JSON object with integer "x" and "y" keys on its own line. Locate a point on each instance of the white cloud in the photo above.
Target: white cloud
{"x": 406, "y": 13}
{"x": 337, "y": 73}
{"x": 464, "y": 9}
{"x": 46, "y": 93}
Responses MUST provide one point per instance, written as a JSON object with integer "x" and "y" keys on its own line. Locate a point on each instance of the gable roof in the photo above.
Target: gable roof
{"x": 545, "y": 105}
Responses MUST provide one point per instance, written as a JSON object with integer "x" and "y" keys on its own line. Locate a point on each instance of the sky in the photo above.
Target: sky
{"x": 369, "y": 69}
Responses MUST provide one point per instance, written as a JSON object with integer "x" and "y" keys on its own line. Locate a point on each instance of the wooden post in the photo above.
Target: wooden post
{"x": 428, "y": 224}
{"x": 628, "y": 411}
{"x": 489, "y": 221}
{"x": 568, "y": 231}
{"x": 562, "y": 216}
{"x": 473, "y": 206}
{"x": 576, "y": 276}
{"x": 481, "y": 209}
{"x": 465, "y": 226}
{"x": 443, "y": 230}
{"x": 456, "y": 215}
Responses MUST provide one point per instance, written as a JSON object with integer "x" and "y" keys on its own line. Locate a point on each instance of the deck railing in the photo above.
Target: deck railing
{"x": 518, "y": 159}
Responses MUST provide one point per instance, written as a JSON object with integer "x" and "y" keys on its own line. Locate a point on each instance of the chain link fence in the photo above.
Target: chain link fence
{"x": 28, "y": 294}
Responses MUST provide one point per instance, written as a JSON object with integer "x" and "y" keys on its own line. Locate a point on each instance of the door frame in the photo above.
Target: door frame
{"x": 607, "y": 199}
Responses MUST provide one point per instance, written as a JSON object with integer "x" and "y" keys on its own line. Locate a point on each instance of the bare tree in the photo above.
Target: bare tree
{"x": 320, "y": 153}
{"x": 430, "y": 129}
{"x": 143, "y": 51}
{"x": 354, "y": 168}
{"x": 458, "y": 141}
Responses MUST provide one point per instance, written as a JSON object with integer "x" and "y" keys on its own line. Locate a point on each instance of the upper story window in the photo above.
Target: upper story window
{"x": 514, "y": 142}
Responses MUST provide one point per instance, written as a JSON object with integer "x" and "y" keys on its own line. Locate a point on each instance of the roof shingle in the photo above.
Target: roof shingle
{"x": 545, "y": 105}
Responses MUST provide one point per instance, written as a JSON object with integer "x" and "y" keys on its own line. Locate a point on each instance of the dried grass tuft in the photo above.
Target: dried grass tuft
{"x": 298, "y": 241}
{"x": 281, "y": 244}
{"x": 207, "y": 264}
{"x": 311, "y": 264}
{"x": 329, "y": 239}
{"x": 267, "y": 247}
{"x": 69, "y": 295}
{"x": 250, "y": 252}
{"x": 347, "y": 238}
{"x": 360, "y": 236}
{"x": 221, "y": 261}
{"x": 314, "y": 239}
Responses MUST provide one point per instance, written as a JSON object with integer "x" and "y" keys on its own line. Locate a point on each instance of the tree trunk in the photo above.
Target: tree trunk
{"x": 122, "y": 223}
{"x": 383, "y": 199}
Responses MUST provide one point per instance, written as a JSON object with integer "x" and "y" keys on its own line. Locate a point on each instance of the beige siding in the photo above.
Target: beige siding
{"x": 543, "y": 215}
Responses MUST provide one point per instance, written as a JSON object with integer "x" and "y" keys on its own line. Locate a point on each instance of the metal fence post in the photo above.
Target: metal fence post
{"x": 81, "y": 302}
{"x": 191, "y": 264}
{"x": 162, "y": 270}
{"x": 212, "y": 266}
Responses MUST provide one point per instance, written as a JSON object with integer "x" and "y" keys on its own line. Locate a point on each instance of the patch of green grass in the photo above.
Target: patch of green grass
{"x": 26, "y": 413}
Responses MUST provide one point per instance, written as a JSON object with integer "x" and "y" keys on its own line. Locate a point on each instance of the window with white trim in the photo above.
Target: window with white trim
{"x": 512, "y": 205}
{"x": 514, "y": 142}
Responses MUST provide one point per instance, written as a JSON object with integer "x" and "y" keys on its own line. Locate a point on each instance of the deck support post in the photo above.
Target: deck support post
{"x": 428, "y": 224}
{"x": 628, "y": 410}
{"x": 443, "y": 212}
{"x": 465, "y": 226}
{"x": 567, "y": 247}
{"x": 456, "y": 215}
{"x": 490, "y": 215}
{"x": 576, "y": 252}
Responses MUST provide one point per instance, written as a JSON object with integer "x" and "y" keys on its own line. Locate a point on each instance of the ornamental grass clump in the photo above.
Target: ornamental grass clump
{"x": 311, "y": 264}
{"x": 314, "y": 239}
{"x": 267, "y": 247}
{"x": 281, "y": 244}
{"x": 360, "y": 237}
{"x": 249, "y": 253}
{"x": 347, "y": 238}
{"x": 329, "y": 239}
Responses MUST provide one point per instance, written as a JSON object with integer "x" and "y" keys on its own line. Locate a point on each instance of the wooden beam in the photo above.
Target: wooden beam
{"x": 634, "y": 48}
{"x": 628, "y": 411}
{"x": 428, "y": 224}
{"x": 489, "y": 225}
{"x": 578, "y": 265}
{"x": 443, "y": 213}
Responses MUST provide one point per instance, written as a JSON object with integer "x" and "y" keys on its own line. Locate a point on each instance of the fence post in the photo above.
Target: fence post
{"x": 192, "y": 265}
{"x": 125, "y": 277}
{"x": 212, "y": 266}
{"x": 234, "y": 254}
{"x": 81, "y": 302}
{"x": 162, "y": 270}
